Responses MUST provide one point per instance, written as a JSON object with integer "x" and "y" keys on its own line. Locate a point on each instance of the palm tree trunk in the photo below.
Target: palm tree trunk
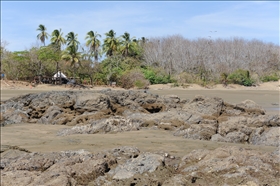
{"x": 95, "y": 56}
{"x": 60, "y": 77}
{"x": 56, "y": 71}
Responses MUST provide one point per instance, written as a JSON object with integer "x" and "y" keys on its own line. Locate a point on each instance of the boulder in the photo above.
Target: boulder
{"x": 57, "y": 168}
{"x": 270, "y": 136}
{"x": 146, "y": 162}
{"x": 205, "y": 106}
{"x": 113, "y": 124}
{"x": 51, "y": 113}
{"x": 226, "y": 165}
{"x": 197, "y": 132}
{"x": 12, "y": 116}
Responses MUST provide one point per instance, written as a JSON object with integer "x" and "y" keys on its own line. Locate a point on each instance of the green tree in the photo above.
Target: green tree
{"x": 48, "y": 56}
{"x": 57, "y": 39}
{"x": 111, "y": 43}
{"x": 72, "y": 55}
{"x": 4, "y": 52}
{"x": 127, "y": 45}
{"x": 94, "y": 43}
{"x": 43, "y": 35}
{"x": 72, "y": 40}
{"x": 17, "y": 65}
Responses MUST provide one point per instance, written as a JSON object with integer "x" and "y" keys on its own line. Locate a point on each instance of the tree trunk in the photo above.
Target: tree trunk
{"x": 56, "y": 72}
{"x": 40, "y": 72}
{"x": 60, "y": 77}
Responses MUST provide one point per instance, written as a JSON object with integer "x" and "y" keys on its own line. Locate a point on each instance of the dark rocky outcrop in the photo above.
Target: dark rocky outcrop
{"x": 106, "y": 111}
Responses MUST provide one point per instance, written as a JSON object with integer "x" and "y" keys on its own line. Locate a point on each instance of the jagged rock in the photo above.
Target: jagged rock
{"x": 264, "y": 120}
{"x": 205, "y": 105}
{"x": 227, "y": 165}
{"x": 51, "y": 113}
{"x": 91, "y": 102}
{"x": 269, "y": 136}
{"x": 250, "y": 107}
{"x": 108, "y": 110}
{"x": 241, "y": 129}
{"x": 44, "y": 107}
{"x": 127, "y": 166}
{"x": 64, "y": 168}
{"x": 146, "y": 162}
{"x": 114, "y": 124}
{"x": 200, "y": 132}
{"x": 13, "y": 116}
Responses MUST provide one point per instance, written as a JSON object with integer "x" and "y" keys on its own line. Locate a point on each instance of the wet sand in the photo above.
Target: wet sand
{"x": 43, "y": 138}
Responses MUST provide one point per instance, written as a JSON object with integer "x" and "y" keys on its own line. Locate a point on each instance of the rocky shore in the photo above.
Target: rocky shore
{"x": 128, "y": 166}
{"x": 111, "y": 111}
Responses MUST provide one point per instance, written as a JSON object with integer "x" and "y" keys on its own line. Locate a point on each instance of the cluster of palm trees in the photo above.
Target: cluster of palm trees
{"x": 113, "y": 45}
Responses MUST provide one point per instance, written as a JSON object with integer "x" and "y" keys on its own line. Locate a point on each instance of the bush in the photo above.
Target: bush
{"x": 133, "y": 78}
{"x": 241, "y": 77}
{"x": 156, "y": 76}
{"x": 185, "y": 77}
{"x": 273, "y": 77}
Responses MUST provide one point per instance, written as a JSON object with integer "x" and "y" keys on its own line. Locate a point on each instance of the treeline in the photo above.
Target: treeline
{"x": 210, "y": 60}
{"x": 138, "y": 62}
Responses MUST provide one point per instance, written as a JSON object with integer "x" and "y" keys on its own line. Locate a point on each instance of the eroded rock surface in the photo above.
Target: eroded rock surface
{"x": 109, "y": 111}
{"x": 105, "y": 111}
{"x": 129, "y": 166}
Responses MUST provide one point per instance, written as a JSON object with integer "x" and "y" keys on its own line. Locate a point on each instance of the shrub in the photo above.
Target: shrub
{"x": 175, "y": 84}
{"x": 133, "y": 78}
{"x": 273, "y": 77}
{"x": 141, "y": 84}
{"x": 185, "y": 77}
{"x": 156, "y": 76}
{"x": 241, "y": 77}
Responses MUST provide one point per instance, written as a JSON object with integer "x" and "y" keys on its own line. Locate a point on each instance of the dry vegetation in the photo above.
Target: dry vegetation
{"x": 206, "y": 59}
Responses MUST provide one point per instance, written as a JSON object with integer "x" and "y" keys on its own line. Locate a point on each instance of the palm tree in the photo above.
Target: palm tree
{"x": 58, "y": 39}
{"x": 72, "y": 40}
{"x": 127, "y": 44}
{"x": 111, "y": 43}
{"x": 94, "y": 43}
{"x": 43, "y": 35}
{"x": 72, "y": 55}
{"x": 143, "y": 40}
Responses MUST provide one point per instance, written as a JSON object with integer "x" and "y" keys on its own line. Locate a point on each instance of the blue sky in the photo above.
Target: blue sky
{"x": 191, "y": 19}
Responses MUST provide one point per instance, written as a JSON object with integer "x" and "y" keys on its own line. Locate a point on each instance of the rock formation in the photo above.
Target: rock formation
{"x": 106, "y": 111}
{"x": 129, "y": 166}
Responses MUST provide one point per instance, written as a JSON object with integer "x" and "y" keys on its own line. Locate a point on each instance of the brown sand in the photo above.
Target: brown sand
{"x": 42, "y": 138}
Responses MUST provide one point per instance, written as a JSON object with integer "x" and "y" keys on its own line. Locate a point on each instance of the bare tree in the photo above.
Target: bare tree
{"x": 208, "y": 58}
